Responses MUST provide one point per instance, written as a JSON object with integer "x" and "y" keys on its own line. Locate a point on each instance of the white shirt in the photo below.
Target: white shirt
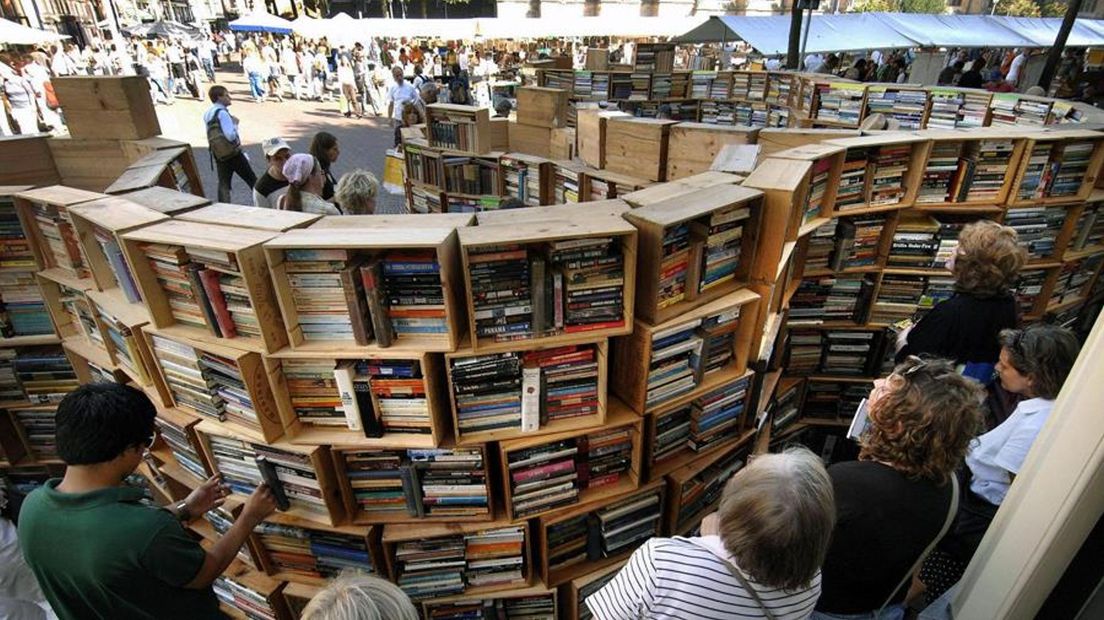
{"x": 1001, "y": 452}
{"x": 1016, "y": 67}
{"x": 400, "y": 94}
{"x": 774, "y": 64}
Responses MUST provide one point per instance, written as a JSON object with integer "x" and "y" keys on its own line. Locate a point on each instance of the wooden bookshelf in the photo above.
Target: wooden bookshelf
{"x": 596, "y": 557}
{"x": 976, "y": 179}
{"x": 173, "y": 169}
{"x": 694, "y": 490}
{"x": 414, "y": 507}
{"x": 535, "y": 599}
{"x": 52, "y": 204}
{"x": 121, "y": 324}
{"x": 786, "y": 185}
{"x": 316, "y": 459}
{"x": 239, "y": 579}
{"x": 623, "y": 243}
{"x": 271, "y": 220}
{"x": 439, "y": 243}
{"x": 283, "y": 368}
{"x": 638, "y": 146}
{"x": 182, "y": 389}
{"x": 600, "y": 351}
{"x": 167, "y": 201}
{"x": 405, "y": 220}
{"x": 689, "y": 216}
{"x": 914, "y": 162}
{"x": 99, "y": 224}
{"x": 458, "y": 127}
{"x": 573, "y": 593}
{"x": 281, "y": 564}
{"x": 618, "y": 417}
{"x": 694, "y": 146}
{"x": 1044, "y": 150}
{"x": 250, "y": 280}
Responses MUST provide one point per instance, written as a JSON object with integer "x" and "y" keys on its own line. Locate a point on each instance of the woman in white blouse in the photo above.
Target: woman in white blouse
{"x": 305, "y": 181}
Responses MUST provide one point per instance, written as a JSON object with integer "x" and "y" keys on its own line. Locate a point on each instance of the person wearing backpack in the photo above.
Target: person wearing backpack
{"x": 224, "y": 143}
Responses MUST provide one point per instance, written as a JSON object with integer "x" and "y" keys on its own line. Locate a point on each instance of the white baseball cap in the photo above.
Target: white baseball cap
{"x": 271, "y": 146}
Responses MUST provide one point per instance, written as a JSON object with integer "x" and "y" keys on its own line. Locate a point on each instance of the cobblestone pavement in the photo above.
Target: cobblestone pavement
{"x": 363, "y": 142}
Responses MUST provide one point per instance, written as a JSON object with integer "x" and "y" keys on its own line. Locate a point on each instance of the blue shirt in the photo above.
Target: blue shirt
{"x": 229, "y": 129}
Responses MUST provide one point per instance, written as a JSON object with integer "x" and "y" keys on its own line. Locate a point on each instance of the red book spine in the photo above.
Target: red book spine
{"x": 210, "y": 280}
{"x": 550, "y": 470}
{"x": 572, "y": 329}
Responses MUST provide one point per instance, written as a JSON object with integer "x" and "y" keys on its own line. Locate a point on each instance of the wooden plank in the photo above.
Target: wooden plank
{"x": 694, "y": 204}
{"x": 590, "y": 134}
{"x": 59, "y": 195}
{"x": 566, "y": 212}
{"x": 117, "y": 214}
{"x": 543, "y": 107}
{"x": 546, "y": 231}
{"x": 168, "y": 201}
{"x": 694, "y": 146}
{"x": 27, "y": 160}
{"x": 531, "y": 139}
{"x": 665, "y": 191}
{"x": 778, "y": 139}
{"x": 319, "y": 238}
{"x": 135, "y": 178}
{"x": 210, "y": 236}
{"x": 638, "y": 146}
{"x": 117, "y": 107}
{"x": 429, "y": 220}
{"x": 250, "y": 217}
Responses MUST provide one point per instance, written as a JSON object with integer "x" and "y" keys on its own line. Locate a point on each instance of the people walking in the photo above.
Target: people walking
{"x": 225, "y": 143}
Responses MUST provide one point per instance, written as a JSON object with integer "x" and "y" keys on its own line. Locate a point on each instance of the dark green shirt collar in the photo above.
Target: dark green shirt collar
{"x": 91, "y": 499}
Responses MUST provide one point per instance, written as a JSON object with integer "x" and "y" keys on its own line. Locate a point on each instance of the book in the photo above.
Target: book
{"x": 272, "y": 480}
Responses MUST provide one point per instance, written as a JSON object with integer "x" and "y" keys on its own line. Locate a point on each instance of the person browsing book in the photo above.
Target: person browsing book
{"x": 96, "y": 549}
{"x": 355, "y": 596}
{"x": 964, "y": 327}
{"x": 759, "y": 555}
{"x": 272, "y": 183}
{"x": 305, "y": 179}
{"x": 893, "y": 503}
{"x": 357, "y": 191}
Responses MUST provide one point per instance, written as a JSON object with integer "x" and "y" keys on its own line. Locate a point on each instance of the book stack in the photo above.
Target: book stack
{"x": 946, "y": 107}
{"x": 180, "y": 177}
{"x": 948, "y": 242}
{"x": 75, "y": 304}
{"x": 608, "y": 456}
{"x": 178, "y": 442}
{"x": 857, "y": 242}
{"x": 1031, "y": 112}
{"x": 840, "y": 102}
{"x": 915, "y": 243}
{"x": 44, "y": 374}
{"x": 672, "y": 430}
{"x": 906, "y": 106}
{"x": 10, "y": 389}
{"x": 546, "y": 476}
{"x": 1089, "y": 230}
{"x": 22, "y": 309}
{"x": 119, "y": 267}
{"x": 1028, "y": 289}
{"x": 898, "y": 298}
{"x": 398, "y": 394}
{"x": 701, "y": 83}
{"x": 974, "y": 111}
{"x": 675, "y": 265}
{"x": 935, "y": 291}
{"x": 221, "y": 521}
{"x": 251, "y": 603}
{"x": 124, "y": 345}
{"x": 313, "y": 392}
{"x": 1082, "y": 272}
{"x": 1003, "y": 108}
{"x": 568, "y": 377}
{"x": 450, "y": 482}
{"x": 420, "y": 165}
{"x": 566, "y": 185}
{"x": 453, "y": 131}
{"x": 717, "y": 414}
{"x": 833, "y": 400}
{"x": 187, "y": 378}
{"x": 703, "y": 491}
{"x": 296, "y": 474}
{"x": 583, "y": 84}
{"x": 621, "y": 86}
{"x": 323, "y": 285}
{"x": 64, "y": 250}
{"x": 445, "y": 565}
{"x": 318, "y": 554}
{"x": 39, "y": 429}
{"x": 679, "y": 83}
{"x": 982, "y": 171}
{"x": 458, "y": 203}
{"x": 822, "y": 170}
{"x": 785, "y": 405}
{"x": 604, "y": 532}
{"x": 887, "y": 181}
{"x": 1073, "y": 168}
{"x": 673, "y": 369}
{"x": 822, "y": 242}
{"x": 415, "y": 296}
{"x": 424, "y": 201}
{"x": 721, "y": 255}
{"x": 600, "y": 86}
{"x": 757, "y": 86}
{"x": 719, "y": 87}
{"x": 376, "y": 480}
{"x": 541, "y": 607}
{"x": 661, "y": 86}
{"x": 225, "y": 385}
{"x": 718, "y": 112}
{"x": 599, "y": 189}
{"x": 940, "y": 172}
{"x": 1063, "y": 289}
{"x": 236, "y": 461}
{"x": 778, "y": 116}
{"x": 1036, "y": 175}
{"x": 804, "y": 347}
{"x": 852, "y": 353}
{"x": 593, "y": 276}
{"x": 522, "y": 180}
{"x": 829, "y": 298}
{"x": 172, "y": 267}
{"x": 778, "y": 89}
{"x": 470, "y": 175}
{"x": 500, "y": 290}
{"x": 851, "y": 192}
{"x": 1037, "y": 228}
{"x": 558, "y": 79}
{"x": 487, "y": 391}
{"x": 741, "y": 82}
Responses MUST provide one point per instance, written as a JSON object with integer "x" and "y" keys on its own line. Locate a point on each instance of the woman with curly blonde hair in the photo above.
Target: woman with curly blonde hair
{"x": 895, "y": 501}
{"x": 964, "y": 328}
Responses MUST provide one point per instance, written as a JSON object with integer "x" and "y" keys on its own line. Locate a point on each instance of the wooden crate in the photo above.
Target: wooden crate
{"x": 562, "y": 143}
{"x": 472, "y": 123}
{"x": 99, "y": 225}
{"x": 251, "y": 368}
{"x": 663, "y": 192}
{"x": 573, "y": 593}
{"x": 297, "y": 596}
{"x": 771, "y": 140}
{"x": 543, "y": 107}
{"x": 167, "y": 201}
{"x": 500, "y": 134}
{"x": 368, "y": 536}
{"x": 134, "y": 358}
{"x": 597, "y": 59}
{"x": 170, "y": 168}
{"x": 412, "y": 491}
{"x": 616, "y": 185}
{"x": 263, "y": 587}
{"x": 974, "y": 137}
{"x": 531, "y": 139}
{"x": 1058, "y": 139}
{"x": 913, "y": 176}
{"x": 404, "y": 220}
{"x": 243, "y": 244}
{"x": 465, "y": 438}
{"x": 59, "y": 291}
{"x": 447, "y": 604}
{"x": 623, "y": 233}
{"x": 56, "y": 200}
{"x": 694, "y": 146}
{"x": 785, "y": 184}
{"x": 558, "y": 575}
{"x": 27, "y": 160}
{"x": 319, "y": 459}
{"x": 91, "y": 363}
{"x": 259, "y": 218}
{"x": 565, "y": 213}
{"x": 638, "y": 146}
{"x": 711, "y": 471}
{"x": 590, "y": 133}
{"x": 112, "y": 107}
{"x": 303, "y": 433}
{"x": 92, "y": 164}
{"x": 618, "y": 416}
{"x": 693, "y": 209}
{"x": 565, "y": 175}
{"x": 165, "y": 458}
{"x": 632, "y": 354}
{"x": 443, "y": 241}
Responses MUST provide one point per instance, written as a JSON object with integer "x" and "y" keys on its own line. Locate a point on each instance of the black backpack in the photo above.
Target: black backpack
{"x": 221, "y": 147}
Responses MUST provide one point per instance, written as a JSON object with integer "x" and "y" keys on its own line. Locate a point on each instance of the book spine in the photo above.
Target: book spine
{"x": 268, "y": 474}
{"x": 371, "y": 274}
{"x": 213, "y": 292}
{"x": 343, "y": 376}
{"x": 530, "y": 399}
{"x": 353, "y": 287}
{"x": 202, "y": 300}
{"x": 369, "y": 420}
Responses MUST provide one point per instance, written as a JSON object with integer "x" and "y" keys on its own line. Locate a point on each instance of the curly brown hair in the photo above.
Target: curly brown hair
{"x": 989, "y": 259}
{"x": 924, "y": 421}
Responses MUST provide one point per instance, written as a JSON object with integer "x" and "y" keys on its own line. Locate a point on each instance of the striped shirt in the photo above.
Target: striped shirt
{"x": 686, "y": 579}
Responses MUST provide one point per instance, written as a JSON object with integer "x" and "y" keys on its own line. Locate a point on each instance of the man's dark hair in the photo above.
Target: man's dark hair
{"x": 215, "y": 92}
{"x": 958, "y": 65}
{"x": 418, "y": 69}
{"x": 99, "y": 421}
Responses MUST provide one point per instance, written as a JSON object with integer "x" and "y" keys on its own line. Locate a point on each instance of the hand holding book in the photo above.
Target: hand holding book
{"x": 260, "y": 504}
{"x": 207, "y": 496}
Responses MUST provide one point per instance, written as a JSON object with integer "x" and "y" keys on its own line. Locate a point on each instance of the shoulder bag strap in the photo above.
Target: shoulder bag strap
{"x": 747, "y": 586}
{"x": 951, "y": 512}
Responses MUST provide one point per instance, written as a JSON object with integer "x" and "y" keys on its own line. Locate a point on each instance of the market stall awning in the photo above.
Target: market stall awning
{"x": 18, "y": 34}
{"x": 829, "y": 33}
{"x": 1041, "y": 31}
{"x": 953, "y": 30}
{"x": 262, "y": 21}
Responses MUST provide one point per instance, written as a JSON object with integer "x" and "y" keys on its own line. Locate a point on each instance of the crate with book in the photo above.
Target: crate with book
{"x": 855, "y": 351}
{"x": 207, "y": 282}
{"x": 447, "y": 484}
{"x": 957, "y": 108}
{"x": 436, "y": 560}
{"x": 568, "y": 182}
{"x": 91, "y": 364}
{"x": 837, "y": 104}
{"x": 40, "y": 374}
{"x": 694, "y": 248}
{"x": 1070, "y": 285}
{"x": 23, "y": 315}
{"x": 597, "y": 534}
{"x": 67, "y": 303}
{"x": 1043, "y": 232}
{"x": 308, "y": 552}
{"x": 367, "y": 290}
{"x": 247, "y": 594}
{"x": 880, "y": 172}
{"x": 459, "y": 128}
{"x": 527, "y": 178}
{"x": 392, "y": 400}
{"x": 527, "y": 391}
{"x": 44, "y": 215}
{"x": 121, "y": 324}
{"x": 606, "y": 185}
{"x": 557, "y": 282}
{"x": 1006, "y": 109}
{"x": 535, "y": 602}
{"x": 969, "y": 169}
{"x": 694, "y": 490}
{"x": 784, "y": 406}
{"x": 301, "y": 477}
{"x": 258, "y": 218}
{"x": 905, "y": 104}
{"x": 799, "y": 188}
{"x": 1088, "y": 230}
{"x": 176, "y": 453}
{"x": 549, "y": 472}
{"x": 1059, "y": 166}
{"x": 573, "y": 593}
{"x": 217, "y": 382}
{"x": 173, "y": 169}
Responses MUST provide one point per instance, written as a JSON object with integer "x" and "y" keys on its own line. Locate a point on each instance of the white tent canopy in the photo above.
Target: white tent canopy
{"x": 954, "y": 30}
{"x": 828, "y": 33}
{"x": 1041, "y": 32}
{"x": 12, "y": 33}
{"x": 262, "y": 21}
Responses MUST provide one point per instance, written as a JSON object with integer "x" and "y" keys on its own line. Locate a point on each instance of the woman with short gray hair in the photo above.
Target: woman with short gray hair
{"x": 356, "y": 192}
{"x": 356, "y": 596}
{"x": 759, "y": 555}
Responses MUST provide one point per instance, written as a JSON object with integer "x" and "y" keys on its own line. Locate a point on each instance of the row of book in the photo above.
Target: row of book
{"x": 954, "y": 109}
{"x": 437, "y": 482}
{"x": 906, "y": 106}
{"x": 204, "y": 383}
{"x": 839, "y": 102}
{"x": 605, "y": 532}
{"x": 700, "y": 254}
{"x": 522, "y": 180}
{"x": 22, "y": 309}
{"x": 458, "y": 132}
{"x": 706, "y": 421}
{"x": 537, "y": 607}
{"x": 443, "y": 566}
{"x": 1055, "y": 169}
{"x": 37, "y": 375}
{"x": 682, "y": 355}
{"x": 842, "y": 352}
{"x": 966, "y": 171}
{"x": 62, "y": 248}
{"x": 252, "y": 603}
{"x": 313, "y": 553}
{"x": 1089, "y": 230}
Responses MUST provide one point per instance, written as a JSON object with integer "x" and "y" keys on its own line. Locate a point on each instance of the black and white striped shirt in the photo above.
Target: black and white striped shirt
{"x": 686, "y": 579}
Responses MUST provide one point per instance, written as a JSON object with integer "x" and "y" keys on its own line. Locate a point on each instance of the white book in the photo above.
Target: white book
{"x": 530, "y": 399}
{"x": 343, "y": 375}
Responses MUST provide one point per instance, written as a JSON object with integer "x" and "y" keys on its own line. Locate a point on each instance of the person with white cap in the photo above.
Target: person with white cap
{"x": 272, "y": 184}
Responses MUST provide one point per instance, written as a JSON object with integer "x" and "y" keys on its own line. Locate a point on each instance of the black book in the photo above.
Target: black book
{"x": 369, "y": 421}
{"x": 412, "y": 489}
{"x": 268, "y": 474}
{"x": 202, "y": 300}
{"x": 594, "y": 538}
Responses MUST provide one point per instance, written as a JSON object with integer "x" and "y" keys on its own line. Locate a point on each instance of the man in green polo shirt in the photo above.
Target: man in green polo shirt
{"x": 99, "y": 553}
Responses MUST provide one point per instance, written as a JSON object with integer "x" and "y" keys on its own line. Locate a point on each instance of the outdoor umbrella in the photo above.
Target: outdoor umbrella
{"x": 260, "y": 21}
{"x": 18, "y": 34}
{"x": 164, "y": 29}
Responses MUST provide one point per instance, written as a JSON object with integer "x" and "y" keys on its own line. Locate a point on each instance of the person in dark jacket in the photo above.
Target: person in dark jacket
{"x": 325, "y": 150}
{"x": 965, "y": 327}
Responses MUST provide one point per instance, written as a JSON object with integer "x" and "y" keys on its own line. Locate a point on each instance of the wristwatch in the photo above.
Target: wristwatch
{"x": 181, "y": 510}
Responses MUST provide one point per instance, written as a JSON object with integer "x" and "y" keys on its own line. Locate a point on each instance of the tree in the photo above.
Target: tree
{"x": 736, "y": 7}
{"x": 1019, "y": 8}
{"x": 1053, "y": 8}
{"x": 534, "y": 9}
{"x": 900, "y": 6}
